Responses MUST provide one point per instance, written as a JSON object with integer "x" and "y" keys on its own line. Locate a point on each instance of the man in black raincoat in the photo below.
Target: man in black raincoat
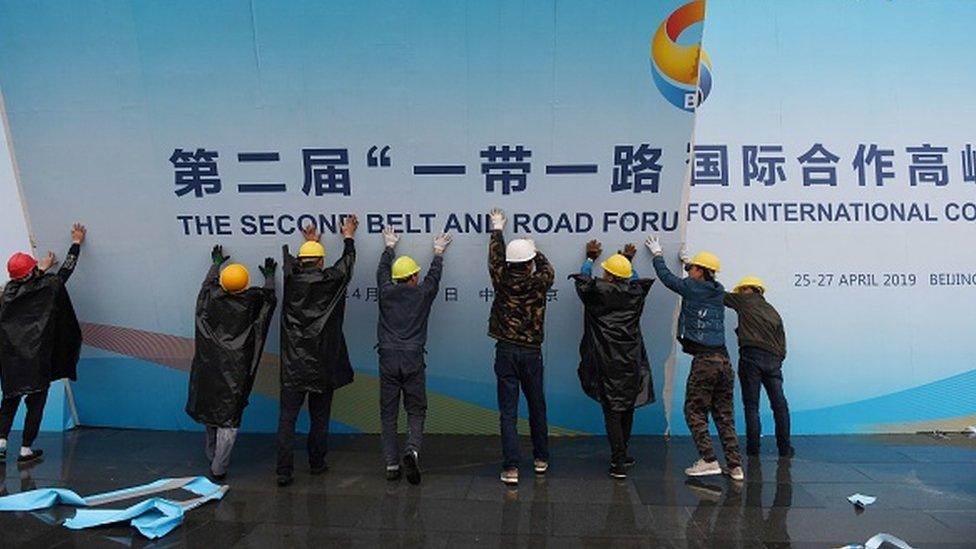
{"x": 232, "y": 323}
{"x": 40, "y": 339}
{"x": 614, "y": 369}
{"x": 314, "y": 358}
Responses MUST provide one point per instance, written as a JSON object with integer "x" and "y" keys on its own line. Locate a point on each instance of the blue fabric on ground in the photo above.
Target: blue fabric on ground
{"x": 40, "y": 499}
{"x": 153, "y": 517}
{"x": 202, "y": 486}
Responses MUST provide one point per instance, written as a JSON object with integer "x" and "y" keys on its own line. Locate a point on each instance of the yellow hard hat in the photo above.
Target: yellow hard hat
{"x": 234, "y": 278}
{"x": 747, "y": 281}
{"x": 311, "y": 248}
{"x": 618, "y": 266}
{"x": 404, "y": 267}
{"x": 706, "y": 260}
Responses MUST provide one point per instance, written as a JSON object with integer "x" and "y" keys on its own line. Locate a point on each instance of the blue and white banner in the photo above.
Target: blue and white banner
{"x": 832, "y": 157}
{"x": 835, "y": 158}
{"x": 170, "y": 127}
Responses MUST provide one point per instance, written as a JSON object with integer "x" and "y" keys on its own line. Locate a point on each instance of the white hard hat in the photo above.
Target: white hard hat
{"x": 520, "y": 250}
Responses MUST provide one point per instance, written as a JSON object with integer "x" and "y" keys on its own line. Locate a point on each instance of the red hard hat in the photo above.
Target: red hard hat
{"x": 20, "y": 265}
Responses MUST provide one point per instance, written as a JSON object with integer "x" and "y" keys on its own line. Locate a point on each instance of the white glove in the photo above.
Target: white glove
{"x": 683, "y": 254}
{"x": 654, "y": 245}
{"x": 390, "y": 238}
{"x": 497, "y": 219}
{"x": 441, "y": 242}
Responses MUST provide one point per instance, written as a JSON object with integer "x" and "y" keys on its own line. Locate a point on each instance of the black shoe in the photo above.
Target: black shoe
{"x": 30, "y": 458}
{"x": 618, "y": 471}
{"x": 787, "y": 453}
{"x": 3, "y": 455}
{"x": 217, "y": 478}
{"x": 410, "y": 463}
{"x": 630, "y": 461}
{"x": 319, "y": 469}
{"x": 393, "y": 473}
{"x": 284, "y": 480}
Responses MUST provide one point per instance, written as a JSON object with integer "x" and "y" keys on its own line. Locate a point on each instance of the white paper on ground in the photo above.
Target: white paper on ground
{"x": 861, "y": 500}
{"x": 878, "y": 539}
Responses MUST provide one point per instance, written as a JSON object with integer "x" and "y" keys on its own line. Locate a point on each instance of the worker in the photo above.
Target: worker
{"x": 614, "y": 370}
{"x": 232, "y": 324}
{"x": 404, "y": 302}
{"x": 40, "y": 339}
{"x": 762, "y": 349}
{"x": 314, "y": 358}
{"x": 521, "y": 277}
{"x": 701, "y": 332}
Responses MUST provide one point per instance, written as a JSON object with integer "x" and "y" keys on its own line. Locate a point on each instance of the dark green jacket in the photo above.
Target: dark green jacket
{"x": 759, "y": 323}
{"x": 518, "y": 312}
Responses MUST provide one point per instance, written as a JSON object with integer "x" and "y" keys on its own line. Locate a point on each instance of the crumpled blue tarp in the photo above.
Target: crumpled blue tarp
{"x": 154, "y": 517}
{"x": 40, "y": 499}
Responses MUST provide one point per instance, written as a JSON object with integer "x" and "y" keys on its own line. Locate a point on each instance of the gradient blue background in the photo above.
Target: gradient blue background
{"x": 843, "y": 73}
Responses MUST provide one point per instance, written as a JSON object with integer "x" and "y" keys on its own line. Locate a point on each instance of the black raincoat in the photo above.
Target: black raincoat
{"x": 614, "y": 369}
{"x": 40, "y": 339}
{"x": 314, "y": 357}
{"x": 230, "y": 334}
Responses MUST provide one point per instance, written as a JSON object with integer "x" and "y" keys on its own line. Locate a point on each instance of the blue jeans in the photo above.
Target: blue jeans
{"x": 758, "y": 367}
{"x": 517, "y": 366}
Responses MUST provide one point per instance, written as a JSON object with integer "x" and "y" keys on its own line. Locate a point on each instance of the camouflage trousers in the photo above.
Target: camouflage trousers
{"x": 710, "y": 388}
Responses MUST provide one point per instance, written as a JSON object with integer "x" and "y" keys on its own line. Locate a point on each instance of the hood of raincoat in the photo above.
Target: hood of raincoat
{"x": 40, "y": 339}
{"x": 614, "y": 369}
{"x": 230, "y": 333}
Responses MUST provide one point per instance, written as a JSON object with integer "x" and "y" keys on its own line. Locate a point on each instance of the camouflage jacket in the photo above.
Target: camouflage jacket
{"x": 518, "y": 311}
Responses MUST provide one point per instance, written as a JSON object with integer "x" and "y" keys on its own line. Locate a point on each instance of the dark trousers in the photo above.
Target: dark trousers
{"x": 618, "y": 426}
{"x": 402, "y": 372}
{"x": 711, "y": 384}
{"x": 319, "y": 408}
{"x": 517, "y": 366}
{"x": 758, "y": 367}
{"x": 32, "y": 422}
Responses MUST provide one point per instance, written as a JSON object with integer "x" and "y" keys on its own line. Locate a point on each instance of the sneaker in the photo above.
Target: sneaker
{"x": 393, "y": 472}
{"x": 788, "y": 453}
{"x": 412, "y": 465}
{"x": 30, "y": 458}
{"x": 737, "y": 474}
{"x": 618, "y": 471}
{"x": 703, "y": 468}
{"x": 218, "y": 478}
{"x": 510, "y": 476}
{"x": 541, "y": 466}
{"x": 284, "y": 480}
{"x": 3, "y": 455}
{"x": 319, "y": 469}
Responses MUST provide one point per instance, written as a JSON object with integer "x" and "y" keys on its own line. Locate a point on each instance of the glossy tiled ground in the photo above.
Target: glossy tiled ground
{"x": 926, "y": 491}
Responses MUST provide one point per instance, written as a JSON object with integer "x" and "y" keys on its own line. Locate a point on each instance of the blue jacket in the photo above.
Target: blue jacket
{"x": 404, "y": 309}
{"x": 702, "y": 319}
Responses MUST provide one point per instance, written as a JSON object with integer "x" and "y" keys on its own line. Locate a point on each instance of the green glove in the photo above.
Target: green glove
{"x": 217, "y": 255}
{"x": 268, "y": 270}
